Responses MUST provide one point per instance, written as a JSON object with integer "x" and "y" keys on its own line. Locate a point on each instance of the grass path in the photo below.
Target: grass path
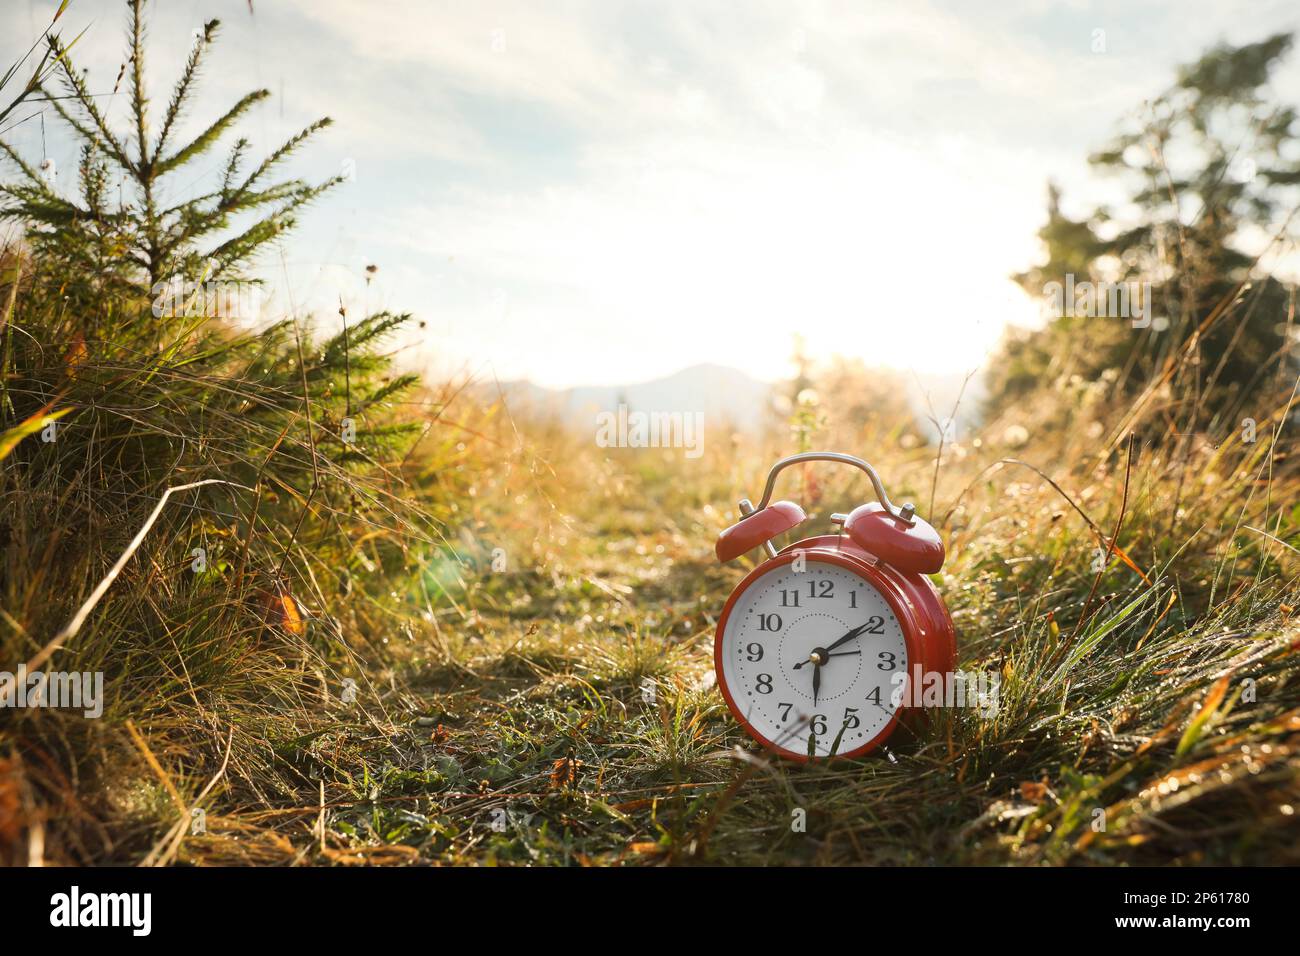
{"x": 567, "y": 714}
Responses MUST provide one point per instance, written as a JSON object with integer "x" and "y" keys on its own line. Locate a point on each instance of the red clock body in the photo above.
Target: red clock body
{"x": 819, "y": 649}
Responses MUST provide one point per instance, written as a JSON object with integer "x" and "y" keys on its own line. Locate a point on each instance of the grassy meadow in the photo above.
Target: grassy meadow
{"x": 502, "y": 712}
{"x": 345, "y": 616}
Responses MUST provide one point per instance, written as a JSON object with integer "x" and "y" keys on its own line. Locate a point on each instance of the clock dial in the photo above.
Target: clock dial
{"x": 813, "y": 652}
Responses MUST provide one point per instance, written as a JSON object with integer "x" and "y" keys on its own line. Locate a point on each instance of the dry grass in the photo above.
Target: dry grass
{"x": 500, "y": 711}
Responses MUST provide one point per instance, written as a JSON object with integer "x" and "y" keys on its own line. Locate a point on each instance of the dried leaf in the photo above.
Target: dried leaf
{"x": 1033, "y": 792}
{"x": 281, "y": 611}
{"x": 75, "y": 357}
{"x": 564, "y": 772}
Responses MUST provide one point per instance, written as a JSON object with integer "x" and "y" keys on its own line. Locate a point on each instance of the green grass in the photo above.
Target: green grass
{"x": 1138, "y": 714}
{"x": 556, "y": 706}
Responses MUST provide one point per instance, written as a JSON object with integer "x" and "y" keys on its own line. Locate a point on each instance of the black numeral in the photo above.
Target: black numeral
{"x": 769, "y": 622}
{"x": 764, "y": 685}
{"x": 821, "y": 589}
{"x": 755, "y": 651}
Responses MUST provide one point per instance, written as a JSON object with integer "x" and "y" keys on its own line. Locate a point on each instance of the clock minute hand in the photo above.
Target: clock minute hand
{"x": 849, "y": 636}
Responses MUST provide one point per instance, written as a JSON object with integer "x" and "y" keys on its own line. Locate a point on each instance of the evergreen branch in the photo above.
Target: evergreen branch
{"x": 27, "y": 170}
{"x": 196, "y": 221}
{"x": 209, "y": 136}
{"x": 369, "y": 330}
{"x": 233, "y": 164}
{"x": 139, "y": 102}
{"x": 182, "y": 90}
{"x": 285, "y": 151}
{"x": 389, "y": 390}
{"x": 40, "y": 207}
{"x": 93, "y": 183}
{"x": 190, "y": 206}
{"x": 77, "y": 87}
{"x": 81, "y": 130}
{"x": 244, "y": 201}
{"x": 242, "y": 247}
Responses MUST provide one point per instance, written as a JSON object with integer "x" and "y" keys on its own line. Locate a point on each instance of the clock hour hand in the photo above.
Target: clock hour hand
{"x": 840, "y": 654}
{"x": 817, "y": 680}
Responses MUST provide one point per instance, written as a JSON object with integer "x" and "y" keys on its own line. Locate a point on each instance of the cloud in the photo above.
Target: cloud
{"x": 595, "y": 191}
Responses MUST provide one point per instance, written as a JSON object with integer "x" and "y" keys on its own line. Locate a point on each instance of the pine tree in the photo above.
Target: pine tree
{"x": 116, "y": 237}
{"x": 149, "y": 400}
{"x": 1207, "y": 163}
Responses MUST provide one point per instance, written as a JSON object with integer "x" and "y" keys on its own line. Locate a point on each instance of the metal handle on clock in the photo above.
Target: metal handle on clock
{"x": 904, "y": 513}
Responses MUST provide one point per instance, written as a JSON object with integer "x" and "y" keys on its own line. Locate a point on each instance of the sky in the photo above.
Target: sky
{"x": 607, "y": 192}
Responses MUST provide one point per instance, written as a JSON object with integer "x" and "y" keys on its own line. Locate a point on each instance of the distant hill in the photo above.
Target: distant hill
{"x": 722, "y": 394}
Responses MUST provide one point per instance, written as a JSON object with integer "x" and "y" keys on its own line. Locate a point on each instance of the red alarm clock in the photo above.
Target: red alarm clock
{"x": 818, "y": 647}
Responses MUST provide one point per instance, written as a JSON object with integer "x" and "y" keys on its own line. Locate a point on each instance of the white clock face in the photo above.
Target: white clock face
{"x": 810, "y": 652}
